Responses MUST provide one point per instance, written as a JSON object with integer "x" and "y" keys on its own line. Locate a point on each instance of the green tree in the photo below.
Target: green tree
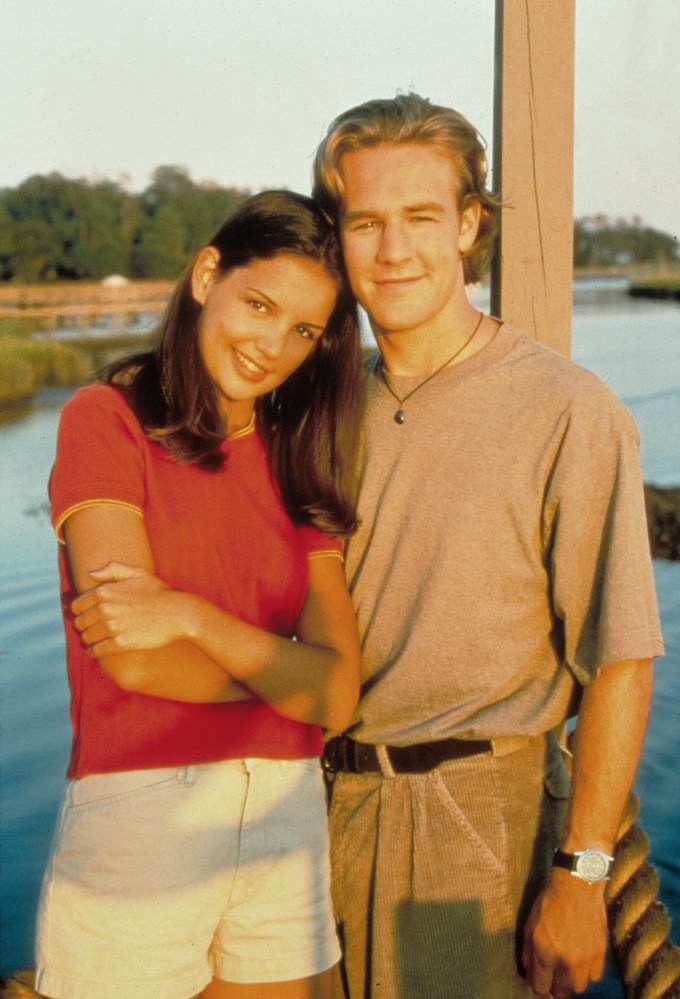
{"x": 179, "y": 216}
{"x": 64, "y": 228}
{"x": 599, "y": 241}
{"x": 52, "y": 227}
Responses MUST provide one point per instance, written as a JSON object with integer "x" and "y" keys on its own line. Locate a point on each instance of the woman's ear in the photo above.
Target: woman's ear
{"x": 204, "y": 273}
{"x": 469, "y": 224}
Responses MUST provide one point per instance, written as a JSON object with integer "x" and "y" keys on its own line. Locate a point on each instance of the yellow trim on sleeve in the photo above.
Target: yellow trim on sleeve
{"x": 328, "y": 551}
{"x": 84, "y": 505}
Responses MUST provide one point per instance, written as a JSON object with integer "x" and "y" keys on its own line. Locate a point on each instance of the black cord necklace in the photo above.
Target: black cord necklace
{"x": 400, "y": 415}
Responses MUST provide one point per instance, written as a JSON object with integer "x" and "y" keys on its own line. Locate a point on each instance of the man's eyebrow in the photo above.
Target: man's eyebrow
{"x": 426, "y": 206}
{"x": 367, "y": 213}
{"x": 362, "y": 213}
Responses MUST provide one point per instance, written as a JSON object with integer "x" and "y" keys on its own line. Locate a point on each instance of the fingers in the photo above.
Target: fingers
{"x": 550, "y": 975}
{"x": 88, "y": 617}
{"x": 564, "y": 940}
{"x": 551, "y": 980}
{"x": 90, "y": 609}
{"x": 95, "y": 629}
{"x": 562, "y": 983}
{"x": 557, "y": 979}
{"x": 106, "y": 647}
{"x": 111, "y": 587}
{"x": 93, "y": 637}
{"x": 112, "y": 573}
{"x": 97, "y": 624}
{"x": 86, "y": 600}
{"x": 90, "y": 599}
{"x": 128, "y": 610}
{"x": 116, "y": 570}
{"x": 596, "y": 968}
{"x": 541, "y": 978}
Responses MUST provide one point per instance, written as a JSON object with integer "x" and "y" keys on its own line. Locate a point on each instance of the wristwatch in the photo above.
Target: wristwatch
{"x": 589, "y": 865}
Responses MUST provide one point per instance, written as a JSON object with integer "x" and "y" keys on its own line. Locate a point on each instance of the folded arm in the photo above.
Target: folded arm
{"x": 98, "y": 534}
{"x": 159, "y": 641}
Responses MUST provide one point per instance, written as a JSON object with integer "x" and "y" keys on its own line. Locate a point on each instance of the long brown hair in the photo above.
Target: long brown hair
{"x": 310, "y": 423}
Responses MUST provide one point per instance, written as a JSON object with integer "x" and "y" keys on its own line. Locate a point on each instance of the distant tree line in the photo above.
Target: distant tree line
{"x": 600, "y": 241}
{"x": 54, "y": 228}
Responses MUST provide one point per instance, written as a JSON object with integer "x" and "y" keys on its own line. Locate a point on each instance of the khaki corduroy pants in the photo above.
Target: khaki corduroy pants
{"x": 433, "y": 874}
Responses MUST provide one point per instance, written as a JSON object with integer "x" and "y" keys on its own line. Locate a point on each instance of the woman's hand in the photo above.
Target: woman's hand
{"x": 129, "y": 609}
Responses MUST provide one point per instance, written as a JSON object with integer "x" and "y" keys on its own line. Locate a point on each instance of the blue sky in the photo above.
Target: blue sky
{"x": 240, "y": 91}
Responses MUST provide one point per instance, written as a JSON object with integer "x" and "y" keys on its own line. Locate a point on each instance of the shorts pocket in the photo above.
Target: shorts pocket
{"x": 102, "y": 790}
{"x": 299, "y": 820}
{"x": 308, "y": 766}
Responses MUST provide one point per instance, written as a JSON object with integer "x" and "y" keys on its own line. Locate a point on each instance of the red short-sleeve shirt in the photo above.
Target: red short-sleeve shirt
{"x": 223, "y": 535}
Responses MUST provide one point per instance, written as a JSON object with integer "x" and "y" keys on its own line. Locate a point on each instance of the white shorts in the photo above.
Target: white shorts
{"x": 161, "y": 879}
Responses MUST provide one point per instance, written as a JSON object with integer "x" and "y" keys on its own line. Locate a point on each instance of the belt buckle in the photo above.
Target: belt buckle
{"x": 340, "y": 755}
{"x": 330, "y": 761}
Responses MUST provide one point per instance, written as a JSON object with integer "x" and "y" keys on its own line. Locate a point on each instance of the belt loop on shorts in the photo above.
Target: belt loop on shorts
{"x": 187, "y": 775}
{"x": 386, "y": 768}
{"x": 510, "y": 744}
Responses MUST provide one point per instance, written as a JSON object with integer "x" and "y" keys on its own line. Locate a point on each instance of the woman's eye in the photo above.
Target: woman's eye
{"x": 305, "y": 332}
{"x": 257, "y": 305}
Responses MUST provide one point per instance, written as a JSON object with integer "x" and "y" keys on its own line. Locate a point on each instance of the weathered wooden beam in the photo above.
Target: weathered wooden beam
{"x": 533, "y": 155}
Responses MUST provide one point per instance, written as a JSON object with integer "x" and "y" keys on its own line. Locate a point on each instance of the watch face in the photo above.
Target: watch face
{"x": 592, "y": 865}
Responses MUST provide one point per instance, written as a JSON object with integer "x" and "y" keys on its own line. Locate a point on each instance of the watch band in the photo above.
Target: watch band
{"x": 591, "y": 865}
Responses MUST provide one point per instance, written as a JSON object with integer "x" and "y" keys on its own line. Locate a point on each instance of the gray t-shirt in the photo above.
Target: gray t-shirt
{"x": 503, "y": 555}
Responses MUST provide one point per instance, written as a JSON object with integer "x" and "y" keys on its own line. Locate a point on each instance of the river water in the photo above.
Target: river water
{"x": 633, "y": 345}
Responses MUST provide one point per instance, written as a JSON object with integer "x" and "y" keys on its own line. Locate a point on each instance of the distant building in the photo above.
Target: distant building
{"x": 114, "y": 281}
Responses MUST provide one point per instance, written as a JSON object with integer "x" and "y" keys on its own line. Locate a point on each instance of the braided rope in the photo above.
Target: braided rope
{"x": 649, "y": 964}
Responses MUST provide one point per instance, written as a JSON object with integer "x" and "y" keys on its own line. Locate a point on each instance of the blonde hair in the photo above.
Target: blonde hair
{"x": 414, "y": 119}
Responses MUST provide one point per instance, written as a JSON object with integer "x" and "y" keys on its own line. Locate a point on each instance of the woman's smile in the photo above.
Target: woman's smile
{"x": 250, "y": 367}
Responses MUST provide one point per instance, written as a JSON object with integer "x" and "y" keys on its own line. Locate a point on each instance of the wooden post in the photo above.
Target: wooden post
{"x": 533, "y": 154}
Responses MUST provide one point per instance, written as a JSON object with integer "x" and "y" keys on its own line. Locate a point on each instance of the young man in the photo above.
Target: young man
{"x": 501, "y": 574}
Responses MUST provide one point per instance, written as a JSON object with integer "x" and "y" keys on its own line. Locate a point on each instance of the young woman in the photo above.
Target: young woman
{"x": 201, "y": 497}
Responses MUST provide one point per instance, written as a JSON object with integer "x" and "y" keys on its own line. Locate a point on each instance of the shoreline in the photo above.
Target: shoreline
{"x": 660, "y": 289}
{"x": 29, "y": 364}
{"x": 662, "y": 504}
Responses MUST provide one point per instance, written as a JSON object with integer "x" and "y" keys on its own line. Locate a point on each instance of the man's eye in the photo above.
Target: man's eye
{"x": 363, "y": 226}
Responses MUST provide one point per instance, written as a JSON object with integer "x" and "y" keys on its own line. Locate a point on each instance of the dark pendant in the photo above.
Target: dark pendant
{"x": 399, "y": 416}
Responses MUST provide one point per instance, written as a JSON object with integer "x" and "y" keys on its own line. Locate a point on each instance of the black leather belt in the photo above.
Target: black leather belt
{"x": 344, "y": 755}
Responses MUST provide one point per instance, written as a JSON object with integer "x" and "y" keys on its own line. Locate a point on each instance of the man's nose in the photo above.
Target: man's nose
{"x": 395, "y": 244}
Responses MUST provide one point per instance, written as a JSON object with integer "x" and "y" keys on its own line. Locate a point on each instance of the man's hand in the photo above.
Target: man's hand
{"x": 565, "y": 938}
